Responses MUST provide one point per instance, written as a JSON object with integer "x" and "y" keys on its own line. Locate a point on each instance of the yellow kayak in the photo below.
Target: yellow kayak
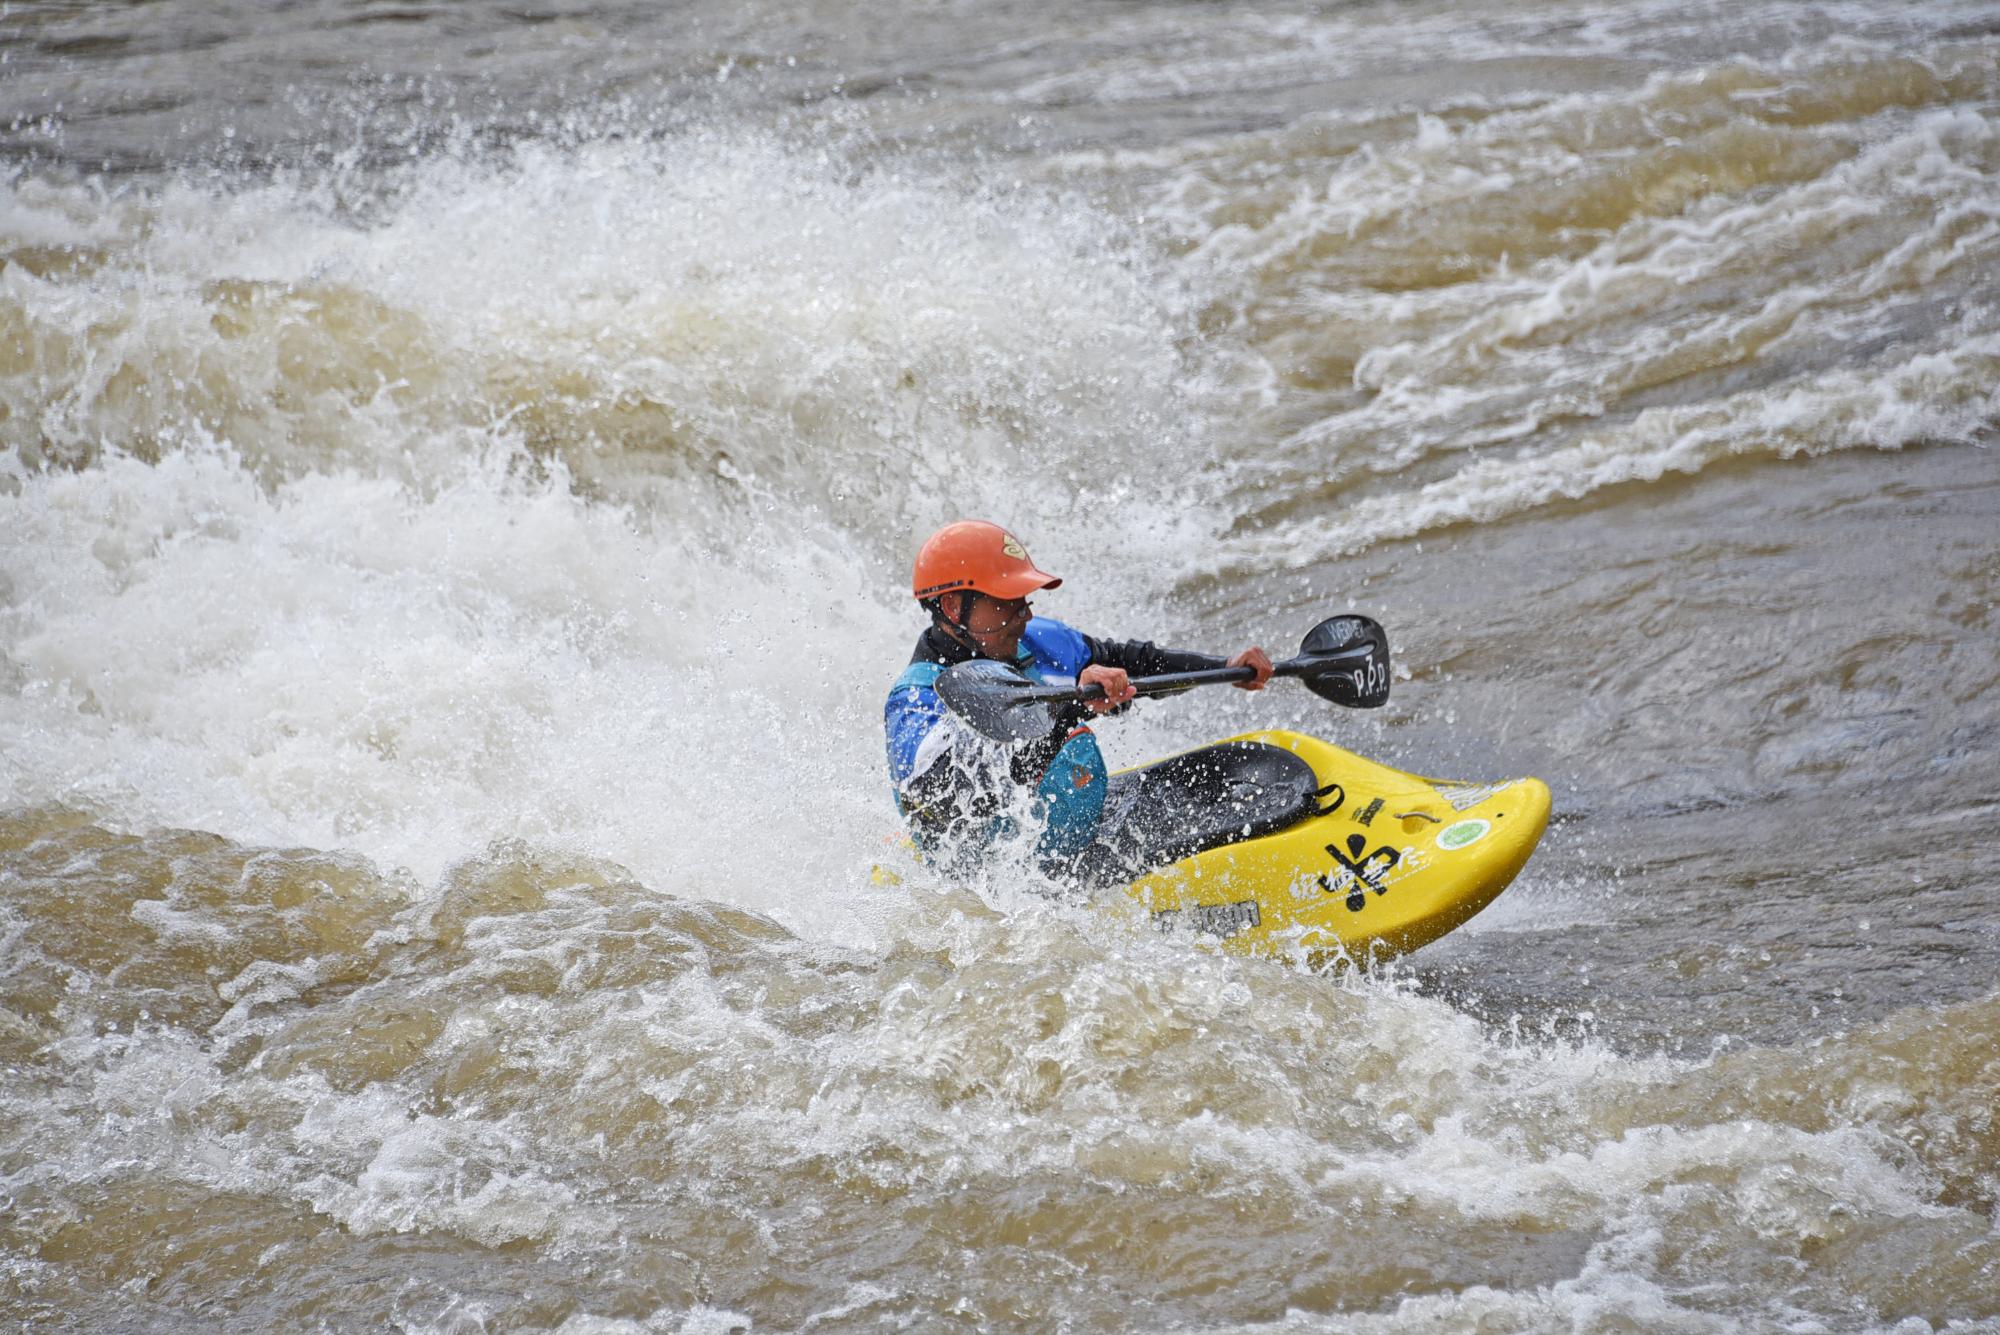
{"x": 1275, "y": 843}
{"x": 1282, "y": 844}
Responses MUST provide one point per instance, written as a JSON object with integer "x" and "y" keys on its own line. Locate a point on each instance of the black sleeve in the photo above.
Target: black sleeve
{"x": 1143, "y": 658}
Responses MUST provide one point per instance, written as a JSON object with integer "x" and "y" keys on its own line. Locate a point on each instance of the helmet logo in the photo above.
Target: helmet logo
{"x": 1011, "y": 546}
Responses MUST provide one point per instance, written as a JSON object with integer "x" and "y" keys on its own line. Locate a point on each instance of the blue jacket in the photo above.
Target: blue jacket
{"x": 959, "y": 792}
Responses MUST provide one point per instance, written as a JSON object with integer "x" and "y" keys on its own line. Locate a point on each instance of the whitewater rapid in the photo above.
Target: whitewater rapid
{"x": 458, "y": 474}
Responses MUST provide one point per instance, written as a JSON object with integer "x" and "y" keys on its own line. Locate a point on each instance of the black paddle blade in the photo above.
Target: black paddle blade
{"x": 995, "y": 700}
{"x": 1356, "y": 671}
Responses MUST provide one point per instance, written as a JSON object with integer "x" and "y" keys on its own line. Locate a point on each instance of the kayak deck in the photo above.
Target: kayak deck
{"x": 1374, "y": 861}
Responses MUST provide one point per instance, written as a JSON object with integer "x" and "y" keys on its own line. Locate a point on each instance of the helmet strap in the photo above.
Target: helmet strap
{"x": 958, "y": 623}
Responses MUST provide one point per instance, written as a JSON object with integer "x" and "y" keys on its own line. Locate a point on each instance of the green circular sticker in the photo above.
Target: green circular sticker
{"x": 1463, "y": 835}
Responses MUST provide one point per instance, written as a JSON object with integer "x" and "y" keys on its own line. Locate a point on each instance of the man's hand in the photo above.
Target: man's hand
{"x": 1117, "y": 687}
{"x": 1253, "y": 658}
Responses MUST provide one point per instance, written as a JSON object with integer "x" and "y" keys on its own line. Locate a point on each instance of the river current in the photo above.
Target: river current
{"x": 459, "y": 465}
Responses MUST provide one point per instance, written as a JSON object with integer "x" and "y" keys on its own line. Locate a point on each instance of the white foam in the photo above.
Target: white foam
{"x": 618, "y": 563}
{"x": 885, "y": 345}
{"x": 1515, "y": 369}
{"x": 1944, "y": 395}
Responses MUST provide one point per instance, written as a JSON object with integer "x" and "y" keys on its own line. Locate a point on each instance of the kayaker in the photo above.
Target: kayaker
{"x": 960, "y": 792}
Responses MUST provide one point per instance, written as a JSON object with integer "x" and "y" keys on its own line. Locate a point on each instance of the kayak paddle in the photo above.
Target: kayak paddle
{"x": 1344, "y": 659}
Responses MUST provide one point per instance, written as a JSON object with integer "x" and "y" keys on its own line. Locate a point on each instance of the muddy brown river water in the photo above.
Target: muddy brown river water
{"x": 458, "y": 468}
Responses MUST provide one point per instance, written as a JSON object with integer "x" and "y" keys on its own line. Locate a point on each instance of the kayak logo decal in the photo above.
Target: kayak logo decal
{"x": 1466, "y": 796}
{"x": 1463, "y": 834}
{"x": 1357, "y": 871}
{"x": 1367, "y": 813}
{"x": 1212, "y": 919}
{"x": 1370, "y": 678}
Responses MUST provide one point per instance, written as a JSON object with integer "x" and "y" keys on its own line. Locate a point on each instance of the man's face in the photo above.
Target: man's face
{"x": 996, "y": 626}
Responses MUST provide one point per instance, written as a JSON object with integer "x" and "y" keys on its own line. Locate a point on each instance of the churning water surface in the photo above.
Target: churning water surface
{"x": 458, "y": 470}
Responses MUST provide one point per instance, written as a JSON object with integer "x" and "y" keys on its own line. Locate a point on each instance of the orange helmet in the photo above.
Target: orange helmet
{"x": 973, "y": 554}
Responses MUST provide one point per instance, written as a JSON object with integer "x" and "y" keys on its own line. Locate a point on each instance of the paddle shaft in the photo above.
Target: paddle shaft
{"x": 1305, "y": 665}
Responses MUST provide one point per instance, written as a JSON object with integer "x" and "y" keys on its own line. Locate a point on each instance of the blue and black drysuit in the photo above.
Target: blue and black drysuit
{"x": 958, "y": 790}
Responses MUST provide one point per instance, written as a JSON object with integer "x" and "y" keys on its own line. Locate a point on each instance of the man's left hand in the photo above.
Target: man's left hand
{"x": 1252, "y": 657}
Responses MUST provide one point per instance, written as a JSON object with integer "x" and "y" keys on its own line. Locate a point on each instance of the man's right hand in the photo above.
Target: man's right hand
{"x": 1117, "y": 687}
